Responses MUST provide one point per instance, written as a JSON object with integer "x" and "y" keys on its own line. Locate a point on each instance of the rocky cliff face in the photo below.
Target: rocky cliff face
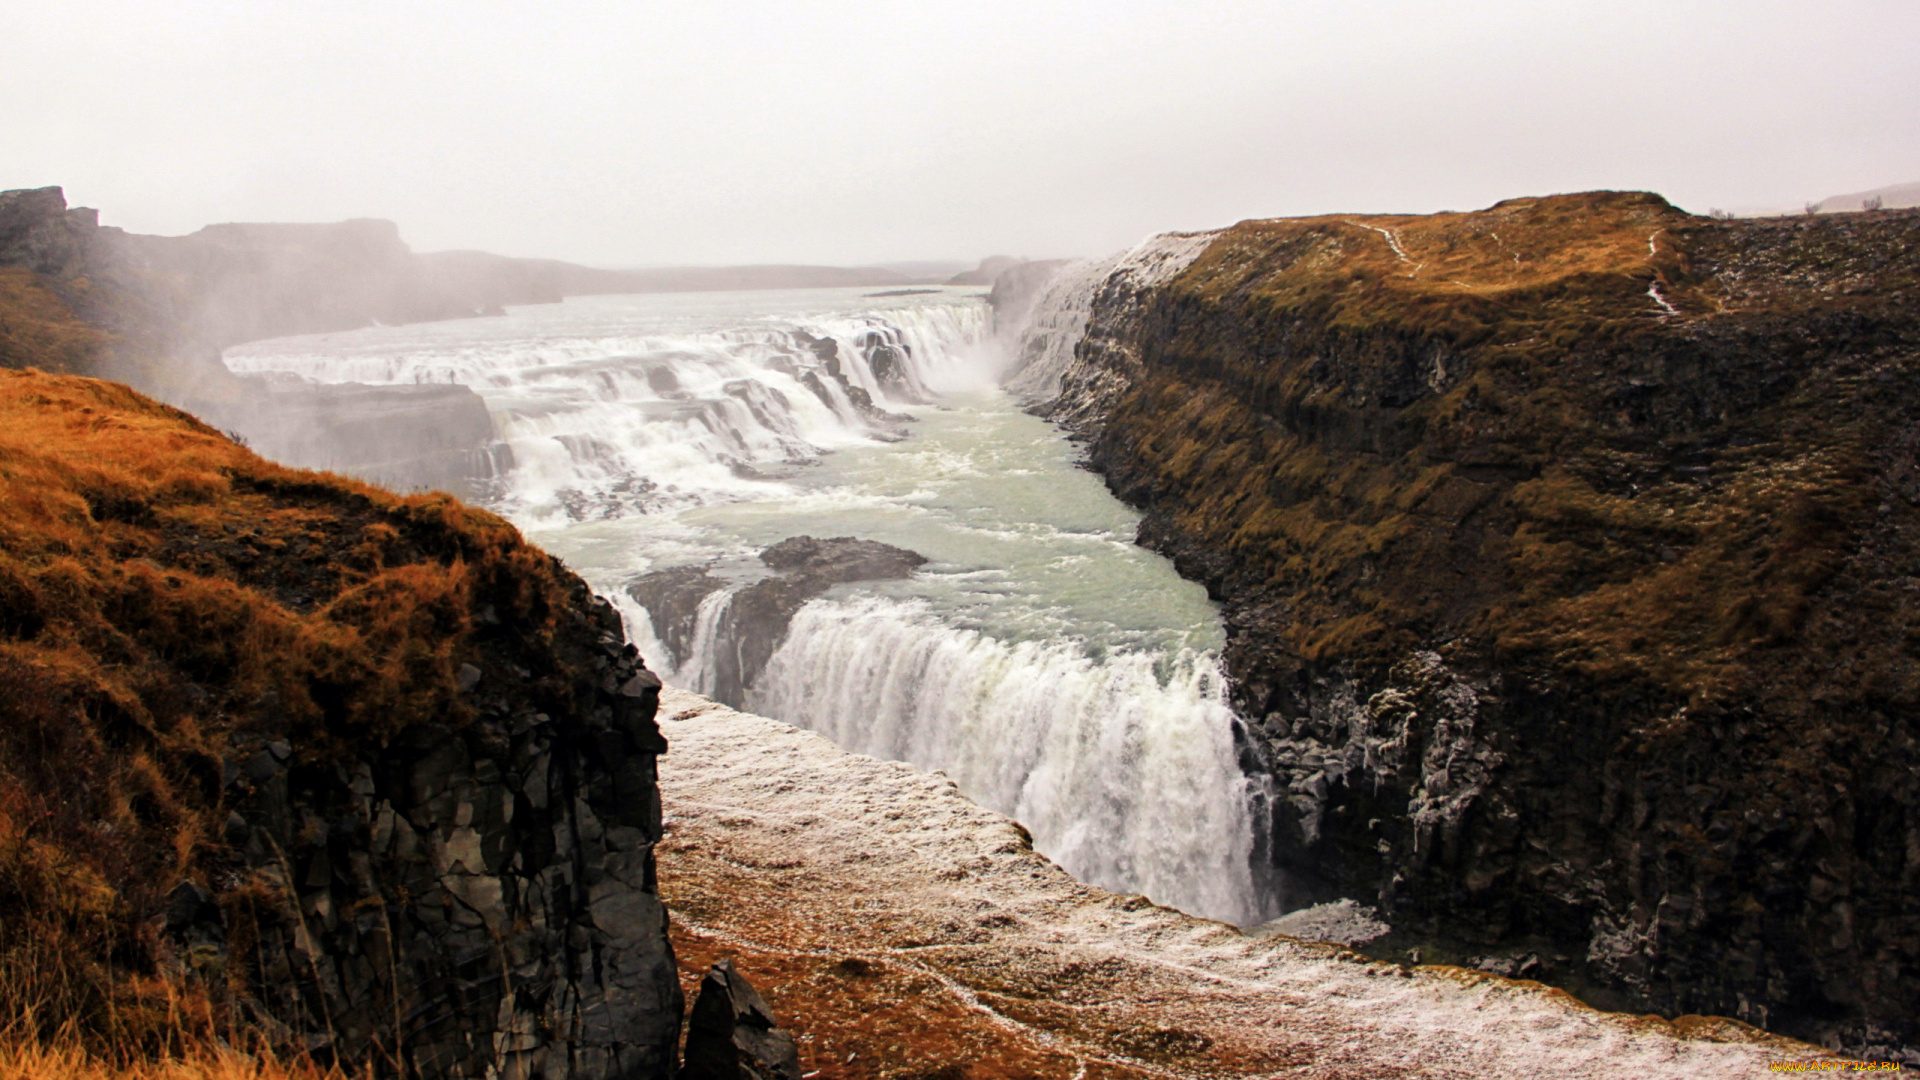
{"x": 286, "y": 754}
{"x": 1568, "y": 552}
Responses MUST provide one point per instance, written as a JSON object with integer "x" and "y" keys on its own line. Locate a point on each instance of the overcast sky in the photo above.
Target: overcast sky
{"x": 638, "y": 133}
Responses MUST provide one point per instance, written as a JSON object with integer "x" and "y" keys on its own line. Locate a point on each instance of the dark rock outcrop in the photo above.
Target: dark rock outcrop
{"x": 1567, "y": 553}
{"x": 732, "y": 1033}
{"x": 754, "y": 622}
{"x": 840, "y": 559}
{"x": 479, "y": 898}
{"x": 672, "y": 599}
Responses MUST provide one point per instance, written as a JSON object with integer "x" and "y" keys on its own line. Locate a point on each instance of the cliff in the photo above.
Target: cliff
{"x": 281, "y": 753}
{"x": 1567, "y": 551}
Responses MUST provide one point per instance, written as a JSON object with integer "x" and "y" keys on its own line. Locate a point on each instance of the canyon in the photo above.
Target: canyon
{"x": 1557, "y": 563}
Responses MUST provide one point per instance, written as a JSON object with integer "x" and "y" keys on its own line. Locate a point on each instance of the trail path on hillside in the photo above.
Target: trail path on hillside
{"x": 902, "y": 931}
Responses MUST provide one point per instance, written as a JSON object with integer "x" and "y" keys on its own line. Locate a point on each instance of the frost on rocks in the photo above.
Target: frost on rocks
{"x": 1425, "y": 706}
{"x": 1341, "y": 922}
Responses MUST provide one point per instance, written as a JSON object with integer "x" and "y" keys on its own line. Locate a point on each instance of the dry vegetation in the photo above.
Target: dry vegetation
{"x": 162, "y": 592}
{"x": 38, "y": 329}
{"x": 1562, "y": 425}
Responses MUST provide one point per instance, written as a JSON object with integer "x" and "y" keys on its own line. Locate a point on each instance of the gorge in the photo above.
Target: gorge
{"x": 1534, "y": 577}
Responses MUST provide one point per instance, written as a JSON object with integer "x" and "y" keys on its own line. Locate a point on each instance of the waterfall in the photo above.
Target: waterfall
{"x": 1055, "y": 670}
{"x": 1122, "y": 769}
{"x": 601, "y": 425}
{"x": 1043, "y": 342}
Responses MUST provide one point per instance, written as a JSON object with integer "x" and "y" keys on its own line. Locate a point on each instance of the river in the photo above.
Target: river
{"x": 1053, "y": 669}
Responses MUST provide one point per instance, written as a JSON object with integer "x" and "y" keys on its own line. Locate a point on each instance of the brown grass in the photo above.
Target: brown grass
{"x": 165, "y": 596}
{"x": 1442, "y": 442}
{"x": 37, "y": 329}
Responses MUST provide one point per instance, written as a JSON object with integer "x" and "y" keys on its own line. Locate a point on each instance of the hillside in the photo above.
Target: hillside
{"x": 1891, "y": 197}
{"x": 1567, "y": 550}
{"x": 285, "y": 753}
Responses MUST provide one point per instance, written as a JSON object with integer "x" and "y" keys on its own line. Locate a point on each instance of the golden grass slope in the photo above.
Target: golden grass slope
{"x": 161, "y": 590}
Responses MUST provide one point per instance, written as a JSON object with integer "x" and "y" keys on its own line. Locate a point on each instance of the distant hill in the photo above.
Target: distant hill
{"x": 1892, "y": 197}
{"x": 989, "y": 268}
{"x": 586, "y": 280}
{"x": 932, "y": 269}
{"x": 493, "y": 280}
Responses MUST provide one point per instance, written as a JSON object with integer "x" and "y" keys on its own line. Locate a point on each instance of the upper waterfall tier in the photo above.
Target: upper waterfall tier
{"x": 1044, "y": 328}
{"x": 620, "y": 405}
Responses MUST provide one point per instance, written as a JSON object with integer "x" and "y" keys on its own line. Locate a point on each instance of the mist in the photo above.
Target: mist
{"x": 638, "y": 134}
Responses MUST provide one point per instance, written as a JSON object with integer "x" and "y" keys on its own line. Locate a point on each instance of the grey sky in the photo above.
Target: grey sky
{"x": 838, "y": 131}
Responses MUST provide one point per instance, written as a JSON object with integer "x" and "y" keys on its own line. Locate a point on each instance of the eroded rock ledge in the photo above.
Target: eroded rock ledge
{"x": 1568, "y": 552}
{"x": 745, "y": 633}
{"x": 900, "y": 930}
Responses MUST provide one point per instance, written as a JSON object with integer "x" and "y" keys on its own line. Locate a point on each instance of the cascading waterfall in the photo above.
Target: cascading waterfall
{"x": 1055, "y": 670}
{"x": 608, "y": 423}
{"x": 1122, "y": 769}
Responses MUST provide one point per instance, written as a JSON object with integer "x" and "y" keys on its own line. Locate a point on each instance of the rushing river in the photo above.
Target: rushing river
{"x": 1056, "y": 671}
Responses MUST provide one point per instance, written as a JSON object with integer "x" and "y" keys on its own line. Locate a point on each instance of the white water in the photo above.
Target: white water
{"x": 1123, "y": 769}
{"x": 1043, "y": 346}
{"x": 1055, "y": 670}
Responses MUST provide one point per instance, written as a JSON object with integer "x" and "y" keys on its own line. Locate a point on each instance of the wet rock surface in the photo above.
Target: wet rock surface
{"x": 885, "y": 359}
{"x": 754, "y": 622}
{"x": 1566, "y": 552}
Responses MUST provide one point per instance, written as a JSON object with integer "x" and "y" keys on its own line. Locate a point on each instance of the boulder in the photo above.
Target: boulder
{"x": 733, "y": 1035}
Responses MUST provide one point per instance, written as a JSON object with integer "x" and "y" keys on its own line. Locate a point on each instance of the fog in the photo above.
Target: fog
{"x": 631, "y": 133}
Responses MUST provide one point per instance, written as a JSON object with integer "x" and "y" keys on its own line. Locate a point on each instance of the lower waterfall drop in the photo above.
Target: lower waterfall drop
{"x": 1124, "y": 774}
